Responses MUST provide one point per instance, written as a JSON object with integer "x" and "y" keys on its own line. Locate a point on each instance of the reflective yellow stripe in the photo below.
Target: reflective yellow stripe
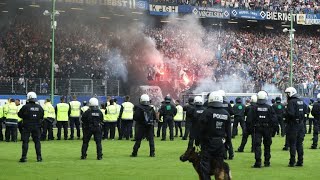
{"x": 310, "y": 115}
{"x": 103, "y": 112}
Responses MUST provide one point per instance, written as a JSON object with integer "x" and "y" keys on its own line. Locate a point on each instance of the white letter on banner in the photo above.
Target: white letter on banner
{"x": 173, "y": 8}
{"x": 275, "y": 17}
{"x": 124, "y": 3}
{"x": 280, "y": 16}
{"x": 153, "y": 7}
{"x": 269, "y": 15}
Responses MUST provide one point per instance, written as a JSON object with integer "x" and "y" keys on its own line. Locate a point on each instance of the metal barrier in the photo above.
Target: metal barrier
{"x": 84, "y": 87}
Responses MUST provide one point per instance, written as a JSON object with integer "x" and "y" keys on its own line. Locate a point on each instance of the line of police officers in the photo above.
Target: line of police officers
{"x": 260, "y": 121}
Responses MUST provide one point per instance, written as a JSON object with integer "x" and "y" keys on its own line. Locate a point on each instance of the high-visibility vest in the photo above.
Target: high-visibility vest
{"x": 62, "y": 112}
{"x": 84, "y": 108}
{"x": 104, "y": 114}
{"x": 5, "y": 109}
{"x": 49, "y": 111}
{"x": 12, "y": 113}
{"x": 1, "y": 111}
{"x": 112, "y": 113}
{"x": 310, "y": 115}
{"x": 127, "y": 113}
{"x": 19, "y": 107}
{"x": 179, "y": 115}
{"x": 75, "y": 108}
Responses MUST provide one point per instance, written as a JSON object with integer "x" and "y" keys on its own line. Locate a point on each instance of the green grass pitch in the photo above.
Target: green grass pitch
{"x": 61, "y": 160}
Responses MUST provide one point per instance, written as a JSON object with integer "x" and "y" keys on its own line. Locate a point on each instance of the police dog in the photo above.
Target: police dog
{"x": 220, "y": 171}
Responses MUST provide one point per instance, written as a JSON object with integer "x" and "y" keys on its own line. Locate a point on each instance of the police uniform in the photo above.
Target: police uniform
{"x": 144, "y": 116}
{"x": 178, "y": 118}
{"x": 194, "y": 130}
{"x": 49, "y": 118}
{"x": 63, "y": 111}
{"x": 295, "y": 115}
{"x": 1, "y": 123}
{"x": 188, "y": 109}
{"x": 279, "y": 110}
{"x": 91, "y": 122}
{"x": 112, "y": 114}
{"x": 11, "y": 122}
{"x": 238, "y": 110}
{"x": 228, "y": 144}
{"x": 263, "y": 120}
{"x": 316, "y": 114}
{"x": 126, "y": 116}
{"x": 32, "y": 115}
{"x": 74, "y": 118}
{"x": 167, "y": 111}
{"x": 249, "y": 128}
{"x": 215, "y": 128}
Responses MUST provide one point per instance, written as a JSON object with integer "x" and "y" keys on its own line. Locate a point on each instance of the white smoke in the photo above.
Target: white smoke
{"x": 271, "y": 88}
{"x": 230, "y": 84}
{"x": 116, "y": 65}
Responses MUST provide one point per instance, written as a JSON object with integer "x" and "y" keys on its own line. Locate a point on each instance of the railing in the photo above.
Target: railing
{"x": 99, "y": 87}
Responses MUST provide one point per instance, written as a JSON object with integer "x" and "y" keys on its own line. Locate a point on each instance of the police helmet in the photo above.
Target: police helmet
{"x": 145, "y": 99}
{"x": 262, "y": 97}
{"x": 238, "y": 100}
{"x": 215, "y": 99}
{"x": 278, "y": 99}
{"x": 167, "y": 99}
{"x": 198, "y": 100}
{"x": 190, "y": 100}
{"x": 254, "y": 98}
{"x": 291, "y": 91}
{"x": 93, "y": 102}
{"x": 32, "y": 96}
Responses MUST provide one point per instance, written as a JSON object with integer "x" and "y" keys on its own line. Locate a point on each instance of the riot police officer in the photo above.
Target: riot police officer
{"x": 197, "y": 112}
{"x": 188, "y": 109}
{"x": 316, "y": 114}
{"x": 215, "y": 128}
{"x": 248, "y": 124}
{"x": 295, "y": 132}
{"x": 32, "y": 115}
{"x": 92, "y": 120}
{"x": 227, "y": 106}
{"x": 279, "y": 110}
{"x": 144, "y": 116}
{"x": 263, "y": 120}
{"x": 167, "y": 111}
{"x": 238, "y": 110}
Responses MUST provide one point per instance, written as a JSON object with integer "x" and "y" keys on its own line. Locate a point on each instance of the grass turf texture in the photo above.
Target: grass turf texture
{"x": 61, "y": 160}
